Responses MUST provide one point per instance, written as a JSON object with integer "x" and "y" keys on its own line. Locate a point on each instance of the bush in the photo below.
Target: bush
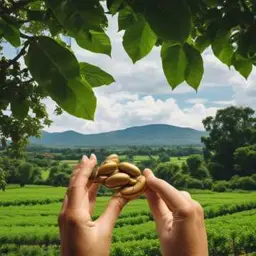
{"x": 194, "y": 183}
{"x": 207, "y": 183}
{"x": 246, "y": 183}
{"x": 220, "y": 186}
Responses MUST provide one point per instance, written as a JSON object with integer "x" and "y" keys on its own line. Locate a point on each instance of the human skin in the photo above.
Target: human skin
{"x": 179, "y": 219}
{"x": 79, "y": 234}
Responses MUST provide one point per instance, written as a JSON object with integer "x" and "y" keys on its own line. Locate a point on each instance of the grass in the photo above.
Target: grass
{"x": 34, "y": 226}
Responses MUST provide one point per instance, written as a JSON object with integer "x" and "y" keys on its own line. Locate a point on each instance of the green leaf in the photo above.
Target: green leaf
{"x": 10, "y": 33}
{"x": 55, "y": 68}
{"x": 242, "y": 65}
{"x": 114, "y": 6}
{"x": 126, "y": 18}
{"x": 54, "y": 27}
{"x": 202, "y": 42}
{"x": 37, "y": 15}
{"x": 169, "y": 19}
{"x": 20, "y": 108}
{"x": 195, "y": 68}
{"x": 174, "y": 63}
{"x": 77, "y": 98}
{"x": 76, "y": 15}
{"x": 139, "y": 40}
{"x": 221, "y": 47}
{"x": 94, "y": 41}
{"x": 95, "y": 75}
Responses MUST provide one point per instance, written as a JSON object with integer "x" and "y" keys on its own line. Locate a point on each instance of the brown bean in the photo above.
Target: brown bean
{"x": 132, "y": 181}
{"x": 139, "y": 186}
{"x": 133, "y": 196}
{"x": 100, "y": 179}
{"x": 114, "y": 158}
{"x": 115, "y": 172}
{"x": 129, "y": 168}
{"x": 107, "y": 168}
{"x": 117, "y": 180}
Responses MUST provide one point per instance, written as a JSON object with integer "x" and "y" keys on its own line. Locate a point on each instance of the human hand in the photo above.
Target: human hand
{"x": 80, "y": 235}
{"x": 179, "y": 219}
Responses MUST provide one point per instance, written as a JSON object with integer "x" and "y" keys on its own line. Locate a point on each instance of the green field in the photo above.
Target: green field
{"x": 28, "y": 221}
{"x": 136, "y": 159}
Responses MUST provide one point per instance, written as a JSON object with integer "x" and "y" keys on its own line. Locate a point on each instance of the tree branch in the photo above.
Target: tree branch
{"x": 12, "y": 61}
{"x": 15, "y": 6}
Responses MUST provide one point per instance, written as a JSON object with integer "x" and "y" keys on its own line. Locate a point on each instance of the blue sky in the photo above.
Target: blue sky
{"x": 141, "y": 94}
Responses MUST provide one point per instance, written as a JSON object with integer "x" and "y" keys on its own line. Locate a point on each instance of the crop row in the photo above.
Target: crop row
{"x": 226, "y": 234}
{"x": 52, "y": 221}
{"x": 35, "y": 216}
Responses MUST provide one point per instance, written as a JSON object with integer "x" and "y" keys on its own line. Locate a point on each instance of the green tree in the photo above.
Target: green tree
{"x": 183, "y": 29}
{"x": 164, "y": 157}
{"x": 245, "y": 160}
{"x": 167, "y": 171}
{"x": 3, "y": 183}
{"x": 196, "y": 167}
{"x": 232, "y": 128}
{"x": 25, "y": 172}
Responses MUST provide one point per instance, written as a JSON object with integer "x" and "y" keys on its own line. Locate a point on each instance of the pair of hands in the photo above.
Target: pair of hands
{"x": 179, "y": 219}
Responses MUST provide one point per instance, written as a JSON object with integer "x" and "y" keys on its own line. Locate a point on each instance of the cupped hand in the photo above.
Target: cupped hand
{"x": 79, "y": 234}
{"x": 179, "y": 219}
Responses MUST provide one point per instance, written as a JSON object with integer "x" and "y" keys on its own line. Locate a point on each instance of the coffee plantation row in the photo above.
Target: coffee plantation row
{"x": 31, "y": 228}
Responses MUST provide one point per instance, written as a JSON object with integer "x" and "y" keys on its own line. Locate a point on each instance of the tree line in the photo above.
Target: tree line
{"x": 227, "y": 159}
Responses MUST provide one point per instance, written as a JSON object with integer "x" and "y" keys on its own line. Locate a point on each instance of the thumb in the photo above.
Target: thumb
{"x": 108, "y": 219}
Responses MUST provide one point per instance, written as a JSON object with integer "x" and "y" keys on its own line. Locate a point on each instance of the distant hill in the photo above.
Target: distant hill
{"x": 157, "y": 134}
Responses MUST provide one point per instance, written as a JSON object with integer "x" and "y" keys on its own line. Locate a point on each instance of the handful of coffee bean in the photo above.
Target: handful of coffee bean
{"x": 124, "y": 177}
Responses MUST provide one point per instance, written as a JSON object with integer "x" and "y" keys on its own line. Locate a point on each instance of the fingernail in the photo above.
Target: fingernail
{"x": 93, "y": 156}
{"x": 84, "y": 158}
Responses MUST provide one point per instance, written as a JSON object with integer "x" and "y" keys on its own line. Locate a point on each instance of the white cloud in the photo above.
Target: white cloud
{"x": 113, "y": 113}
{"x": 196, "y": 101}
{"x": 224, "y": 102}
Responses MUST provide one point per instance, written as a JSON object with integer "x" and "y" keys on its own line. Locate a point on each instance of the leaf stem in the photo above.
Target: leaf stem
{"x": 12, "y": 61}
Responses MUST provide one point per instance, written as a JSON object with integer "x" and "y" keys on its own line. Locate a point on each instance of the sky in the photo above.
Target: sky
{"x": 142, "y": 96}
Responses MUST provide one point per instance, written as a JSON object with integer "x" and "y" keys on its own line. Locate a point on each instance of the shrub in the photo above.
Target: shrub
{"x": 220, "y": 186}
{"x": 194, "y": 183}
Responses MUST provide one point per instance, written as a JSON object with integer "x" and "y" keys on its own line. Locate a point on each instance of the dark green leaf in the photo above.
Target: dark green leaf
{"x": 55, "y": 68}
{"x": 139, "y": 40}
{"x": 242, "y": 65}
{"x": 94, "y": 41}
{"x": 37, "y": 15}
{"x": 20, "y": 108}
{"x": 114, "y": 6}
{"x": 54, "y": 27}
{"x": 195, "y": 68}
{"x": 174, "y": 63}
{"x": 170, "y": 20}
{"x": 221, "y": 47}
{"x": 126, "y": 18}
{"x": 10, "y": 33}
{"x": 77, "y": 98}
{"x": 94, "y": 75}
{"x": 76, "y": 16}
{"x": 202, "y": 42}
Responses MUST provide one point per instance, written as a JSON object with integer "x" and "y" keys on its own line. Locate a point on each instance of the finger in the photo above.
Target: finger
{"x": 76, "y": 169}
{"x": 77, "y": 189}
{"x": 108, "y": 219}
{"x": 171, "y": 196}
{"x": 92, "y": 194}
{"x": 156, "y": 204}
{"x": 64, "y": 204}
{"x": 185, "y": 194}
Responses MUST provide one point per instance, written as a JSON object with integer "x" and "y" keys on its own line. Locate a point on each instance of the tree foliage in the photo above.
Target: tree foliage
{"x": 182, "y": 29}
{"x": 231, "y": 129}
{"x": 3, "y": 183}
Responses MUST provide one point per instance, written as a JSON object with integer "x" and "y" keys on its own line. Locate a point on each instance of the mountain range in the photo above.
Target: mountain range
{"x": 150, "y": 135}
